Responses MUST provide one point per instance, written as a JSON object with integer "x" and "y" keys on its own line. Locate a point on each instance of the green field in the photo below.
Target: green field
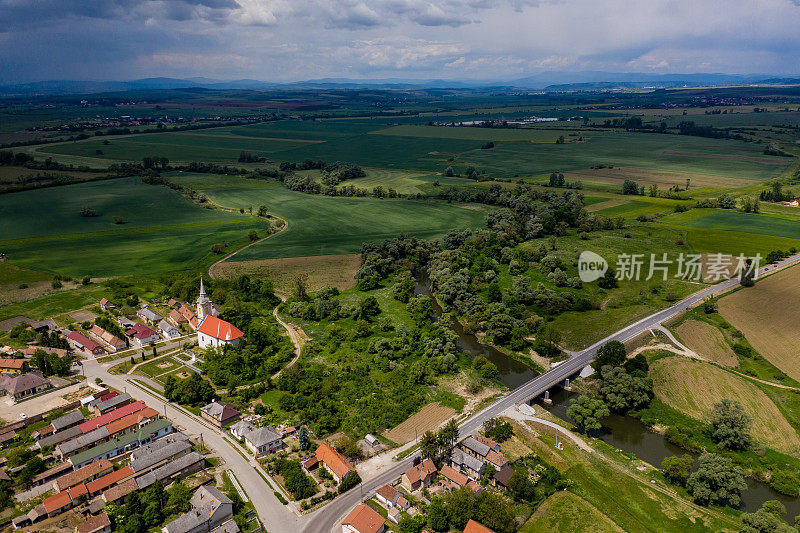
{"x": 320, "y": 225}
{"x": 162, "y": 230}
{"x": 416, "y": 147}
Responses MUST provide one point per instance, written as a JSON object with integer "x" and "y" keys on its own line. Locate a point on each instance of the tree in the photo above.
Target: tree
{"x": 767, "y": 519}
{"x": 731, "y": 425}
{"x": 262, "y": 210}
{"x": 411, "y": 524}
{"x": 437, "y": 516}
{"x": 498, "y": 430}
{"x": 448, "y": 435}
{"x": 630, "y": 187}
{"x": 746, "y": 277}
{"x": 429, "y": 445}
{"x": 521, "y": 485}
{"x": 623, "y": 392}
{"x": 178, "y": 496}
{"x": 612, "y": 353}
{"x": 587, "y": 411}
{"x": 717, "y": 480}
{"x": 253, "y": 236}
{"x": 677, "y": 468}
{"x": 302, "y": 438}
{"x": 608, "y": 280}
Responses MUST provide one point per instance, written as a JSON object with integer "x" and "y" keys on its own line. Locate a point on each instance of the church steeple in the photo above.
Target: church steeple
{"x": 203, "y": 303}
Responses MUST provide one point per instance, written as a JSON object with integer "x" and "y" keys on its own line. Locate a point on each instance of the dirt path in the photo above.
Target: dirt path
{"x": 295, "y": 340}
{"x": 524, "y": 413}
{"x": 214, "y": 265}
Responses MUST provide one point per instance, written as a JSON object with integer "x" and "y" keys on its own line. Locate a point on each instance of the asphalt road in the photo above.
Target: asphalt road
{"x": 278, "y": 518}
{"x": 327, "y": 518}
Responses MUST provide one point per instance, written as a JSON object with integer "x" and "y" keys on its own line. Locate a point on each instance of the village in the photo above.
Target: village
{"x": 96, "y": 446}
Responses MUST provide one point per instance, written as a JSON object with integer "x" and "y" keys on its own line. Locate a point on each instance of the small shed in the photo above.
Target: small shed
{"x": 372, "y": 440}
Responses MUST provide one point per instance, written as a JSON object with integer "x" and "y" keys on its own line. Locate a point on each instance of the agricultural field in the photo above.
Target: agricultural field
{"x": 429, "y": 418}
{"x": 319, "y": 271}
{"x": 160, "y": 230}
{"x": 707, "y": 341}
{"x": 324, "y": 225}
{"x": 694, "y": 387}
{"x": 767, "y": 315}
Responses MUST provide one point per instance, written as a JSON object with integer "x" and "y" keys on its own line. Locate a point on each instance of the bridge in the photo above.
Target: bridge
{"x": 326, "y": 518}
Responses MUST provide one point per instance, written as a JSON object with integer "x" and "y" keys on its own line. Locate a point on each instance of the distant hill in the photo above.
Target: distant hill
{"x": 555, "y": 81}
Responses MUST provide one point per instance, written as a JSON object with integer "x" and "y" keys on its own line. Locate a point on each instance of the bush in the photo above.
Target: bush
{"x": 87, "y": 212}
{"x": 218, "y": 248}
{"x": 785, "y": 482}
{"x": 349, "y": 482}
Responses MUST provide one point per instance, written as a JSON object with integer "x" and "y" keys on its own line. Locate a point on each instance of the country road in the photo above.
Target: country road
{"x": 278, "y": 518}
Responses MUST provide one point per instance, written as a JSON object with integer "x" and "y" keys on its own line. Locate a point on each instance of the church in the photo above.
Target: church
{"x": 213, "y": 332}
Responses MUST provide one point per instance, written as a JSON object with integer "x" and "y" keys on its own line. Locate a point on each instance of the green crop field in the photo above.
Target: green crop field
{"x": 161, "y": 230}
{"x": 749, "y": 223}
{"x": 320, "y": 225}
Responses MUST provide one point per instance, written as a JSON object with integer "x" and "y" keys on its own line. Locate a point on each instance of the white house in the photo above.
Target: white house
{"x": 259, "y": 440}
{"x": 168, "y": 331}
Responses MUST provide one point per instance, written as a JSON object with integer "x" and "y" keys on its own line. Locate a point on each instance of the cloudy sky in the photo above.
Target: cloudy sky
{"x": 283, "y": 40}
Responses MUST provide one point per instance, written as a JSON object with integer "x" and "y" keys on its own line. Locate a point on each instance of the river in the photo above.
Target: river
{"x": 622, "y": 432}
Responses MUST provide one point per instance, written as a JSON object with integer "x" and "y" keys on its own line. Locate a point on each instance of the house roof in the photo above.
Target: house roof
{"x": 364, "y": 519}
{"x": 131, "y": 420}
{"x": 158, "y": 451}
{"x": 140, "y": 331}
{"x": 59, "y": 437}
{"x": 113, "y": 402}
{"x": 310, "y": 462}
{"x": 228, "y": 527}
{"x": 50, "y": 472}
{"x": 476, "y": 527}
{"x": 169, "y": 469}
{"x": 456, "y": 477}
{"x": 104, "y": 301}
{"x": 257, "y": 436}
{"x": 123, "y": 489}
{"x": 149, "y": 314}
{"x": 388, "y": 492}
{"x": 220, "y": 411}
{"x": 177, "y": 317}
{"x": 30, "y": 350}
{"x": 108, "y": 480}
{"x": 47, "y": 323}
{"x": 219, "y": 329}
{"x": 57, "y": 501}
{"x": 69, "y": 419}
{"x": 504, "y": 474}
{"x": 84, "y": 341}
{"x": 94, "y": 524}
{"x": 420, "y": 471}
{"x": 86, "y": 439}
{"x": 16, "y": 364}
{"x": 4, "y": 475}
{"x": 462, "y": 458}
{"x": 82, "y": 474}
{"x": 120, "y": 442}
{"x": 487, "y": 441}
{"x": 205, "y": 501}
{"x": 166, "y": 326}
{"x": 473, "y": 445}
{"x": 187, "y": 313}
{"x": 497, "y": 459}
{"x": 109, "y": 417}
{"x": 334, "y": 460}
{"x": 24, "y": 382}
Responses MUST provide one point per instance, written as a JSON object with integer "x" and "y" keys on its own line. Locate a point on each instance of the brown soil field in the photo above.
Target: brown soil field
{"x": 707, "y": 341}
{"x": 82, "y": 315}
{"x": 429, "y": 417}
{"x": 648, "y": 177}
{"x": 693, "y": 387}
{"x": 322, "y": 270}
{"x": 767, "y": 315}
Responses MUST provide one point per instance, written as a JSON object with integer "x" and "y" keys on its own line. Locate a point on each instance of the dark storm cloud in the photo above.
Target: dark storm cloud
{"x": 300, "y": 39}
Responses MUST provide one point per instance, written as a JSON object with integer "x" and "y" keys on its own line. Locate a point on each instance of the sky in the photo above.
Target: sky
{"x": 288, "y": 40}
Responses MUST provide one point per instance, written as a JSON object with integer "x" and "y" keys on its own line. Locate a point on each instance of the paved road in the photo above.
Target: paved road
{"x": 326, "y": 519}
{"x": 275, "y": 516}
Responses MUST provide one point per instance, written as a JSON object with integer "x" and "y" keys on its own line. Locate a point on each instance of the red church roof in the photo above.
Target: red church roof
{"x": 219, "y": 329}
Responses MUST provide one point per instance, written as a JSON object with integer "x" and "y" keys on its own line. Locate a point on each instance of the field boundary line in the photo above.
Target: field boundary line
{"x": 214, "y": 265}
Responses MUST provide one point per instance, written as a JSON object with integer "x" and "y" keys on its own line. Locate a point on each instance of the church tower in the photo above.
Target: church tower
{"x": 203, "y": 304}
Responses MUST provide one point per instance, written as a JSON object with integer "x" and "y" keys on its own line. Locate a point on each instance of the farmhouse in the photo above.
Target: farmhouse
{"x": 179, "y": 468}
{"x": 57, "y": 438}
{"x": 363, "y": 519}
{"x": 260, "y": 440}
{"x": 168, "y": 331}
{"x": 219, "y": 414}
{"x": 210, "y": 508}
{"x": 476, "y": 527}
{"x": 59, "y": 424}
{"x": 82, "y": 343}
{"x": 176, "y": 318}
{"x": 488, "y": 442}
{"x": 13, "y": 366}
{"x": 30, "y": 350}
{"x": 109, "y": 480}
{"x": 391, "y": 497}
{"x": 334, "y": 462}
{"x": 23, "y": 385}
{"x": 469, "y": 464}
{"x": 116, "y": 414}
{"x": 453, "y": 478}
{"x": 418, "y": 476}
{"x": 123, "y": 444}
{"x": 190, "y": 317}
{"x": 503, "y": 476}
{"x": 475, "y": 448}
{"x": 105, "y": 304}
{"x": 86, "y": 474}
{"x": 50, "y": 474}
{"x": 119, "y": 492}
{"x": 148, "y": 315}
{"x": 109, "y": 338}
{"x": 104, "y": 406}
{"x": 142, "y": 335}
{"x": 160, "y": 452}
{"x": 47, "y": 324}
